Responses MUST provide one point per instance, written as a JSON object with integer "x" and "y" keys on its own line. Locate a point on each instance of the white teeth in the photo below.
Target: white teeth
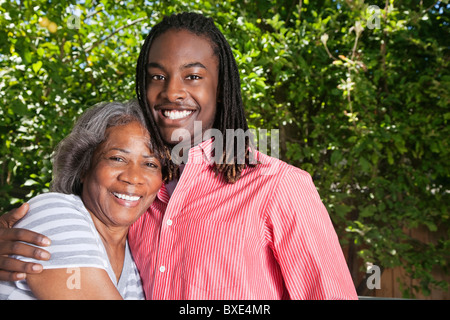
{"x": 126, "y": 197}
{"x": 174, "y": 114}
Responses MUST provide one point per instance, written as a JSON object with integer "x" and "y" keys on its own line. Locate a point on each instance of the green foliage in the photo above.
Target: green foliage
{"x": 57, "y": 59}
{"x": 361, "y": 106}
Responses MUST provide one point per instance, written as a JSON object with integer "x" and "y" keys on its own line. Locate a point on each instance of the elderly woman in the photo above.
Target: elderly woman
{"x": 105, "y": 178}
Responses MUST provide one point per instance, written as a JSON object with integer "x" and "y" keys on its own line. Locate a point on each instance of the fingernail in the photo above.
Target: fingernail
{"x": 46, "y": 241}
{"x": 44, "y": 255}
{"x": 20, "y": 276}
{"x": 36, "y": 267}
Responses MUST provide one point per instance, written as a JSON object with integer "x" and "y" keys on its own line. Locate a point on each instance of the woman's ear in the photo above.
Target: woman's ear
{"x": 82, "y": 176}
{"x": 87, "y": 168}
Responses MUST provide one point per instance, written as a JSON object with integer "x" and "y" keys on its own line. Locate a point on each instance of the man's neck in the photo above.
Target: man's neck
{"x": 171, "y": 185}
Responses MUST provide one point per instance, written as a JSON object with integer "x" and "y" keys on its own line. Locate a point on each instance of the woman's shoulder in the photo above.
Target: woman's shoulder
{"x": 54, "y": 197}
{"x": 53, "y": 207}
{"x": 64, "y": 219}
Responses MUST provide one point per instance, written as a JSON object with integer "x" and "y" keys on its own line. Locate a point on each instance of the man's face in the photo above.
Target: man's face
{"x": 182, "y": 80}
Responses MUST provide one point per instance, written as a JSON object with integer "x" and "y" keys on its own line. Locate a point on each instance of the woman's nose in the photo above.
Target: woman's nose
{"x": 131, "y": 175}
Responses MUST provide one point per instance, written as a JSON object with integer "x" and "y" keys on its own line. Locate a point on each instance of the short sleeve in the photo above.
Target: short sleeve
{"x": 74, "y": 239}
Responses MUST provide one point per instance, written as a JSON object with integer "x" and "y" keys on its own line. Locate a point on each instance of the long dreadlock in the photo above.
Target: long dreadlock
{"x": 230, "y": 109}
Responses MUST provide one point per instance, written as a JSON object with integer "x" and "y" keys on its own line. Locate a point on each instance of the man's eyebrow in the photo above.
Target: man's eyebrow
{"x": 194, "y": 65}
{"x": 154, "y": 65}
{"x": 186, "y": 66}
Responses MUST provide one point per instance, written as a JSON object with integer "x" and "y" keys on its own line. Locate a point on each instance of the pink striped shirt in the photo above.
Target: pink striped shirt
{"x": 268, "y": 236}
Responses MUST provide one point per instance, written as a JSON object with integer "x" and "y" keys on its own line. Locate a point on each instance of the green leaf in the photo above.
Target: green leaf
{"x": 431, "y": 226}
{"x": 367, "y": 211}
{"x": 365, "y": 165}
{"x": 342, "y": 210}
{"x": 37, "y": 66}
{"x": 30, "y": 182}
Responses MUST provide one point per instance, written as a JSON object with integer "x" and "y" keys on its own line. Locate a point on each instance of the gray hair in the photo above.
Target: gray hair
{"x": 73, "y": 155}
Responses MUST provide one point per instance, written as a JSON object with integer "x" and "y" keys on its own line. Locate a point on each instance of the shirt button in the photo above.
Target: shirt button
{"x": 162, "y": 268}
{"x": 169, "y": 222}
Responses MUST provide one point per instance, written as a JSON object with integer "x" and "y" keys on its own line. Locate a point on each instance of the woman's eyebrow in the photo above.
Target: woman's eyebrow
{"x": 119, "y": 149}
{"x": 145, "y": 155}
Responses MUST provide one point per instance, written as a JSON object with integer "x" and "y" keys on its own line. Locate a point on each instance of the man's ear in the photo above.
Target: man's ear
{"x": 219, "y": 99}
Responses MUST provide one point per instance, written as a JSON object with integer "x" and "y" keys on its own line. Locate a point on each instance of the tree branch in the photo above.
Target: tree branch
{"x": 300, "y": 5}
{"x": 114, "y": 32}
{"x": 93, "y": 13}
{"x": 429, "y": 8}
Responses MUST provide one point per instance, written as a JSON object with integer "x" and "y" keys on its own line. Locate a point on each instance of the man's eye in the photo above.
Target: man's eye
{"x": 157, "y": 77}
{"x": 194, "y": 77}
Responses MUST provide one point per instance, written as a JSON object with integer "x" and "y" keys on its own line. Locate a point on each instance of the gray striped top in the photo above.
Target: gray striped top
{"x": 75, "y": 243}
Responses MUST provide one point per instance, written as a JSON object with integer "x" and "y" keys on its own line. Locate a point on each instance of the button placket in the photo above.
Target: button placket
{"x": 165, "y": 262}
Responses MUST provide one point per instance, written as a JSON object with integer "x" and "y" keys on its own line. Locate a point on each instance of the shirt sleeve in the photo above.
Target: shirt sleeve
{"x": 67, "y": 223}
{"x": 305, "y": 243}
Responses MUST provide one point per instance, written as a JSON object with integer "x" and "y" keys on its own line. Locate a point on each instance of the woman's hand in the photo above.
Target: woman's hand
{"x": 12, "y": 243}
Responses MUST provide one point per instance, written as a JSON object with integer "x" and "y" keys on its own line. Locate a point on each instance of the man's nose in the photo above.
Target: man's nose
{"x": 175, "y": 90}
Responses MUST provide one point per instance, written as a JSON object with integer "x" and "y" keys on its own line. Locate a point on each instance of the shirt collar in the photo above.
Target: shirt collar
{"x": 204, "y": 150}
{"x": 163, "y": 194}
{"x": 199, "y": 154}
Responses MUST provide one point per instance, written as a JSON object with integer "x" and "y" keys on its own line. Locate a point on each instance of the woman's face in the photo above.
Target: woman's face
{"x": 124, "y": 177}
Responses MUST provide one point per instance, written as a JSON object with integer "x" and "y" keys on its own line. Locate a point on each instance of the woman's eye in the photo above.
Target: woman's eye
{"x": 117, "y": 159}
{"x": 151, "y": 165}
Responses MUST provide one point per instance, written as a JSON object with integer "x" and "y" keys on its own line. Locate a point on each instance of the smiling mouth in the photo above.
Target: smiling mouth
{"x": 126, "y": 196}
{"x": 176, "y": 114}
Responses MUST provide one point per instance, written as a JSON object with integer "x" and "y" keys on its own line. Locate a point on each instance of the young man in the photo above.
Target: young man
{"x": 222, "y": 227}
